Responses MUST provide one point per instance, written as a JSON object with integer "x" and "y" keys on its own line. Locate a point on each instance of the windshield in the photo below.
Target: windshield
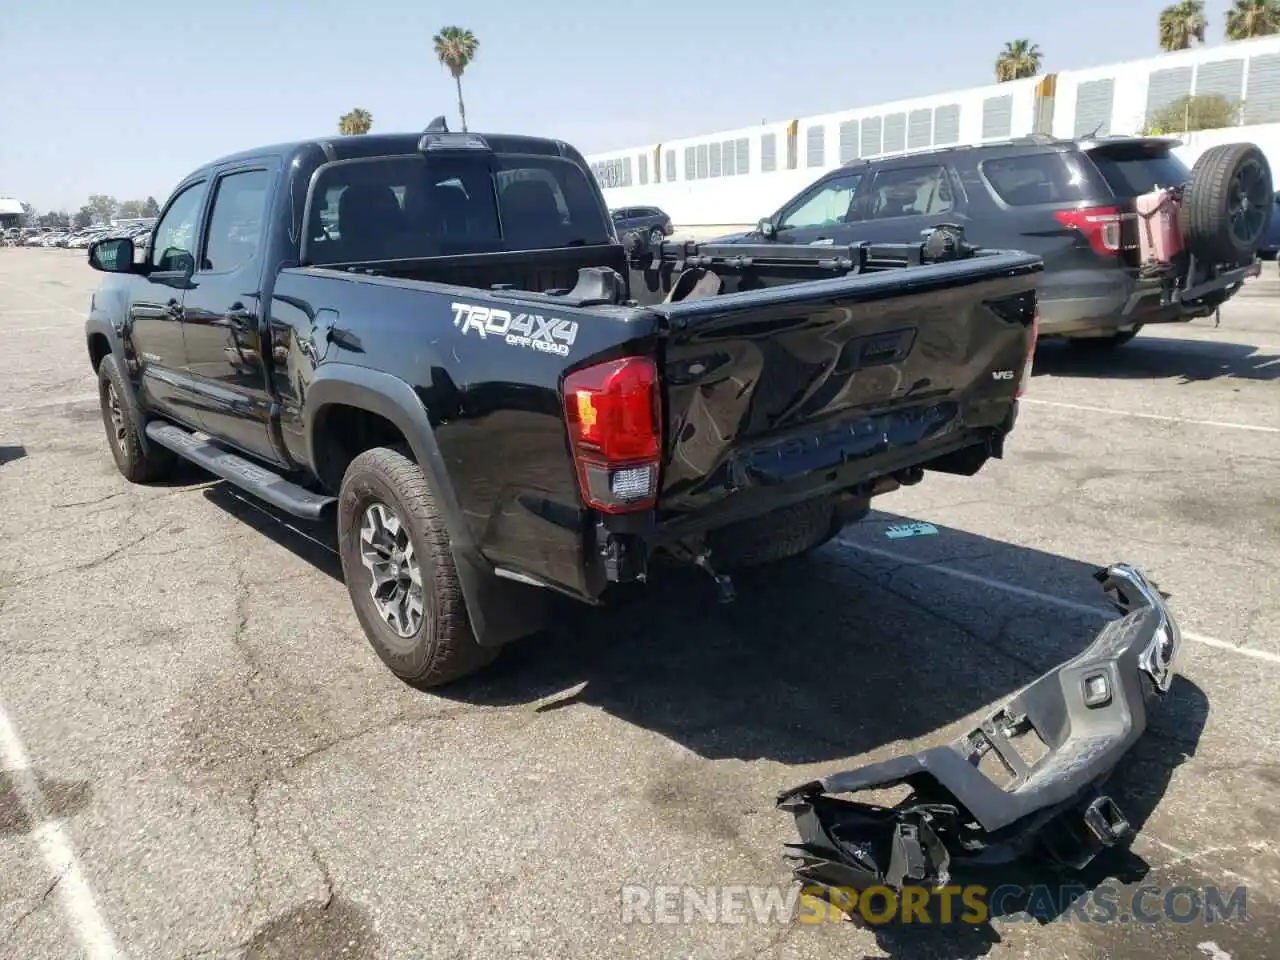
{"x": 1134, "y": 169}
{"x": 399, "y": 208}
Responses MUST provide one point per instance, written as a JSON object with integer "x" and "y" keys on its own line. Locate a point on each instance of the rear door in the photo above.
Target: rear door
{"x": 901, "y": 202}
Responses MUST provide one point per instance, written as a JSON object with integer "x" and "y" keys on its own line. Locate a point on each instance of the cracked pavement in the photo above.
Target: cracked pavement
{"x": 240, "y": 777}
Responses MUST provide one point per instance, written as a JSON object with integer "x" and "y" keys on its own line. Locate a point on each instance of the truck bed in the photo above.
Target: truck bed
{"x": 775, "y": 392}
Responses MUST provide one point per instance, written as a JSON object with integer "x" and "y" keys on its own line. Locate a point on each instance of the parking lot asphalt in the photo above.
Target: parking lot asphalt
{"x": 201, "y": 756}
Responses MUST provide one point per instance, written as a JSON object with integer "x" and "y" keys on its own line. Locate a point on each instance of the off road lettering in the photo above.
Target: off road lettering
{"x": 531, "y": 330}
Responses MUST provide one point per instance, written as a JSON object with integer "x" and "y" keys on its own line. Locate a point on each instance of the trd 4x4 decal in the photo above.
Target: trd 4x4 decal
{"x": 548, "y": 334}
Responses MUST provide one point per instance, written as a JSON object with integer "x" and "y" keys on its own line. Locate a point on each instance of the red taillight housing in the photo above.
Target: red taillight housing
{"x": 1031, "y": 356}
{"x": 614, "y": 415}
{"x": 1100, "y": 226}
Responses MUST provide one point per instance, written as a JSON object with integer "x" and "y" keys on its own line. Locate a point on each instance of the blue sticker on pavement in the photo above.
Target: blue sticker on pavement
{"x": 901, "y": 531}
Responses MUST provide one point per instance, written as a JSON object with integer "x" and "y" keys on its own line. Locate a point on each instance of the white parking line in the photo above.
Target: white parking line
{"x": 67, "y": 878}
{"x": 1151, "y": 416}
{"x": 1073, "y": 605}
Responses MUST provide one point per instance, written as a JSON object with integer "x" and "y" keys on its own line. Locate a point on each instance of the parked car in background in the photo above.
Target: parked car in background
{"x": 1071, "y": 202}
{"x": 644, "y": 219}
{"x": 1270, "y": 248}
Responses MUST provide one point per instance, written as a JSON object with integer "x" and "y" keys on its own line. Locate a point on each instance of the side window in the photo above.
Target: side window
{"x": 1034, "y": 178}
{"x": 173, "y": 242}
{"x": 828, "y": 204}
{"x": 910, "y": 192}
{"x": 236, "y": 222}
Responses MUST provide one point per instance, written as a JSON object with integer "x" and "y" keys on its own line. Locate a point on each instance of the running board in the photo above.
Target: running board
{"x": 249, "y": 477}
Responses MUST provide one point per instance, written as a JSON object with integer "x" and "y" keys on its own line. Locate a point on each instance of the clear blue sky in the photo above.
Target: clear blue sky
{"x": 125, "y": 98}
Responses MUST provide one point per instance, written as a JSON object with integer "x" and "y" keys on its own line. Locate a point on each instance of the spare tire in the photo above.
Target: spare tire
{"x": 1227, "y": 206}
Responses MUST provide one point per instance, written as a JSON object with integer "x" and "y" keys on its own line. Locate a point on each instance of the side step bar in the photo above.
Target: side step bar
{"x": 253, "y": 479}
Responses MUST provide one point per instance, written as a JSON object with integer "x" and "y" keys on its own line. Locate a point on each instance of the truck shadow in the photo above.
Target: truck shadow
{"x": 1153, "y": 358}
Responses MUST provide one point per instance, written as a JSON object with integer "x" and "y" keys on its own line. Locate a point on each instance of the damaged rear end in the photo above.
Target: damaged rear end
{"x": 790, "y": 375}
{"x": 1028, "y": 780}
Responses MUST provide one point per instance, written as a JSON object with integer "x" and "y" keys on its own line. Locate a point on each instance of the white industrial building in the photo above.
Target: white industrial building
{"x": 11, "y": 212}
{"x": 738, "y": 176}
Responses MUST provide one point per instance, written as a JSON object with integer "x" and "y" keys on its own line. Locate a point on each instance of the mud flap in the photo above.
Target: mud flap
{"x": 1084, "y": 714}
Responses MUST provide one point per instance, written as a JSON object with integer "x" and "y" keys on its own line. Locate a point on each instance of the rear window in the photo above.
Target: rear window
{"x": 1038, "y": 178}
{"x": 1134, "y": 169}
{"x": 394, "y": 208}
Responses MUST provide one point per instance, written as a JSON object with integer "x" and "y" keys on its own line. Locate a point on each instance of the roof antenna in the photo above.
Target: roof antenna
{"x": 438, "y": 125}
{"x": 1092, "y": 133}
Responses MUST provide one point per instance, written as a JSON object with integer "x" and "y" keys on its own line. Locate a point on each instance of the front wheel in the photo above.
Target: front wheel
{"x": 137, "y": 461}
{"x": 400, "y": 572}
{"x": 656, "y": 236}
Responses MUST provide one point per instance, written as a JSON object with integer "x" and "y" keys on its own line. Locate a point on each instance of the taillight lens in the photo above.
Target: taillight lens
{"x": 1031, "y": 356}
{"x": 614, "y": 416}
{"x": 1100, "y": 226}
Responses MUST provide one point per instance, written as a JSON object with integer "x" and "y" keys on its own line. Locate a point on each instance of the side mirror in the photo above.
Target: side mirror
{"x": 766, "y": 228}
{"x": 112, "y": 255}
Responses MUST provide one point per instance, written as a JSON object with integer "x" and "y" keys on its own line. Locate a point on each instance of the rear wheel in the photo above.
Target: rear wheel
{"x": 400, "y": 572}
{"x": 1227, "y": 206}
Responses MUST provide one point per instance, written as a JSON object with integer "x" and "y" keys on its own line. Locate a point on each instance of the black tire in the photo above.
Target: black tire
{"x": 656, "y": 236}
{"x": 443, "y": 648}
{"x": 1227, "y": 206}
{"x": 780, "y": 535}
{"x": 120, "y": 418}
{"x": 1105, "y": 343}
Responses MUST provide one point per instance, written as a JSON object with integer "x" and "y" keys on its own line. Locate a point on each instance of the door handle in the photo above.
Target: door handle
{"x": 173, "y": 310}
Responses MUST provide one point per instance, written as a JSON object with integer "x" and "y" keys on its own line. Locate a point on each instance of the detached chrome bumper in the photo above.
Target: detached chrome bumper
{"x": 984, "y": 799}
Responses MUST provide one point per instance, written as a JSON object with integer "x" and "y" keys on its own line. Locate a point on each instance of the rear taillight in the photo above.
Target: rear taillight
{"x": 1100, "y": 226}
{"x": 615, "y": 433}
{"x": 1031, "y": 356}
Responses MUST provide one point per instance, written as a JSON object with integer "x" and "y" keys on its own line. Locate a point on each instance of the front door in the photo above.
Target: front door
{"x": 818, "y": 215}
{"x": 154, "y": 328}
{"x": 223, "y": 311}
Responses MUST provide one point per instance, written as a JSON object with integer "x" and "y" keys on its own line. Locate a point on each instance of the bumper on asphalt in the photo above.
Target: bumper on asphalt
{"x": 1026, "y": 780}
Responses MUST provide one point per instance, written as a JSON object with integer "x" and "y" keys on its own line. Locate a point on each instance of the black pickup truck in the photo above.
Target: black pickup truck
{"x": 439, "y": 338}
{"x": 438, "y": 343}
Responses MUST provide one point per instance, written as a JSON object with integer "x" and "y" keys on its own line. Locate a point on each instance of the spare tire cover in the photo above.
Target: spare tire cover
{"x": 1228, "y": 204}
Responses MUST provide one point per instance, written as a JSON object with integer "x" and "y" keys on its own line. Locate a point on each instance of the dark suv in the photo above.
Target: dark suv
{"x": 648, "y": 220}
{"x": 1070, "y": 202}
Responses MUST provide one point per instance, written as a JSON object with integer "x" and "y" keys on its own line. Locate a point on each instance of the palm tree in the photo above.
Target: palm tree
{"x": 455, "y": 49}
{"x": 1181, "y": 24}
{"x": 357, "y": 121}
{"x": 1253, "y": 18}
{"x": 1018, "y": 59}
